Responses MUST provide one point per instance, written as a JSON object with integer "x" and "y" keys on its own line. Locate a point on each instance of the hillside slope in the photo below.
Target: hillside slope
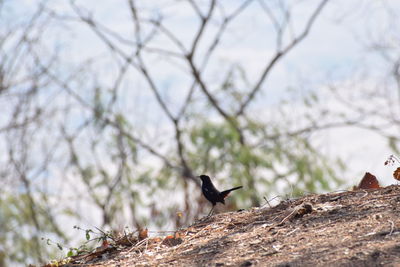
{"x": 355, "y": 228}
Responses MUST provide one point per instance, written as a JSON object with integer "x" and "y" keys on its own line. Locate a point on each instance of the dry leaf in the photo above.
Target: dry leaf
{"x": 104, "y": 246}
{"x": 143, "y": 234}
{"x": 369, "y": 181}
{"x": 396, "y": 174}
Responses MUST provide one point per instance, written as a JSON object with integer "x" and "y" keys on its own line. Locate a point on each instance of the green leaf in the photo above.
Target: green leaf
{"x": 70, "y": 253}
{"x": 88, "y": 234}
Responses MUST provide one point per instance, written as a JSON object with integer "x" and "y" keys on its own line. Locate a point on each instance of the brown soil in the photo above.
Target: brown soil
{"x": 355, "y": 228}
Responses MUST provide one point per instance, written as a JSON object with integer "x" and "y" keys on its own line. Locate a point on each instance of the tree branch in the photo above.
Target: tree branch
{"x": 279, "y": 55}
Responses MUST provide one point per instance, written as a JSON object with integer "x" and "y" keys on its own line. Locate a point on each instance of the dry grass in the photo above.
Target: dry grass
{"x": 355, "y": 228}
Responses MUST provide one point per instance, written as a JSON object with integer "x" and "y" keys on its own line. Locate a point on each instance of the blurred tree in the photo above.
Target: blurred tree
{"x": 154, "y": 98}
{"x": 370, "y": 96}
{"x": 26, "y": 211}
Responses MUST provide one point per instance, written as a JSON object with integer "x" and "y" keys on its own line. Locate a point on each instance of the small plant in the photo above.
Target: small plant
{"x": 91, "y": 236}
{"x": 391, "y": 161}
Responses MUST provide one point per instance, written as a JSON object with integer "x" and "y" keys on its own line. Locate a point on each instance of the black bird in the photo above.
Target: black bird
{"x": 212, "y": 194}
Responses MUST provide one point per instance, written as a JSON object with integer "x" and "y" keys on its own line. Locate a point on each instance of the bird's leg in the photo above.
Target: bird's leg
{"x": 210, "y": 213}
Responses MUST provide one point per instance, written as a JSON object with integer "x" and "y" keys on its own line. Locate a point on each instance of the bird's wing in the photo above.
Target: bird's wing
{"x": 210, "y": 192}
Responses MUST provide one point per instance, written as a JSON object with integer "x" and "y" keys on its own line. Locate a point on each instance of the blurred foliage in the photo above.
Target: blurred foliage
{"x": 217, "y": 151}
{"x": 20, "y": 240}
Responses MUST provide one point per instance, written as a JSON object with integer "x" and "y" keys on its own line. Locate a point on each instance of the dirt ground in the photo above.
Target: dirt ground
{"x": 354, "y": 228}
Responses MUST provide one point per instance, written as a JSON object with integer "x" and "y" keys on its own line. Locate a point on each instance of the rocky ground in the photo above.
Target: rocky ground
{"x": 353, "y": 228}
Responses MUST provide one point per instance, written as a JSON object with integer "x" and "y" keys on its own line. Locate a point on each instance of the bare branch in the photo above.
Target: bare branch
{"x": 169, "y": 35}
{"x": 221, "y": 30}
{"x": 279, "y": 55}
{"x": 204, "y": 21}
{"x": 196, "y": 8}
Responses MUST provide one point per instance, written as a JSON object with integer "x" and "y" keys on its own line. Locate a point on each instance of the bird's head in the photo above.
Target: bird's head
{"x": 205, "y": 178}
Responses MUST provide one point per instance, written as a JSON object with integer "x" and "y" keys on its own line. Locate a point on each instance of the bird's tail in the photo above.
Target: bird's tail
{"x": 225, "y": 193}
